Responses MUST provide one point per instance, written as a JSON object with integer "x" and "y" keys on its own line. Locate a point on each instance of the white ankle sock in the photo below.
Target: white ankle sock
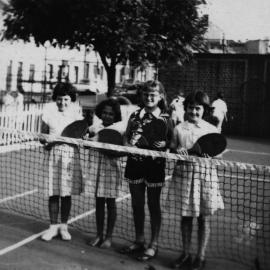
{"x": 64, "y": 232}
{"x": 51, "y": 232}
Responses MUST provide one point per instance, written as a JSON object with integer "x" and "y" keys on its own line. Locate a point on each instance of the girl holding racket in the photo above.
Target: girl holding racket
{"x": 198, "y": 184}
{"x": 105, "y": 174}
{"x": 148, "y": 128}
{"x": 64, "y": 168}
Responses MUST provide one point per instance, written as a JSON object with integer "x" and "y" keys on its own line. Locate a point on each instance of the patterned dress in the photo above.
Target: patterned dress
{"x": 103, "y": 177}
{"x": 63, "y": 161}
{"x": 194, "y": 187}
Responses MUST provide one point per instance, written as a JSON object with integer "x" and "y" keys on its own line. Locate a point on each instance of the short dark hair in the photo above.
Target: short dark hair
{"x": 114, "y": 104}
{"x": 64, "y": 89}
{"x": 200, "y": 98}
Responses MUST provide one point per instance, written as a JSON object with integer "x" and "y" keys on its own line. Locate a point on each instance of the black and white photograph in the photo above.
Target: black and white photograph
{"x": 134, "y": 134}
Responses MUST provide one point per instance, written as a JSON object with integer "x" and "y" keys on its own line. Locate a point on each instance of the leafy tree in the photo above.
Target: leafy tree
{"x": 138, "y": 30}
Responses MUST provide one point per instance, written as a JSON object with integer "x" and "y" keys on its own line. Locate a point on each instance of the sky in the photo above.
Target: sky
{"x": 241, "y": 19}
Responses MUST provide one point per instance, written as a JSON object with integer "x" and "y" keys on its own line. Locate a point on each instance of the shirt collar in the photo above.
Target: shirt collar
{"x": 155, "y": 113}
{"x": 200, "y": 124}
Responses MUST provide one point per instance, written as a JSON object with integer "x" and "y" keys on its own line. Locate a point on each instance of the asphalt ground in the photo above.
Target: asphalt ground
{"x": 76, "y": 254}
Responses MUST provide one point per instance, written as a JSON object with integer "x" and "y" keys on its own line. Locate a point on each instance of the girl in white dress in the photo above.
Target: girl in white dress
{"x": 64, "y": 169}
{"x": 197, "y": 183}
{"x": 104, "y": 174}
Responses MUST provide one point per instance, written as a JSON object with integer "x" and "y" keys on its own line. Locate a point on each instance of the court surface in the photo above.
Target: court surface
{"x": 21, "y": 247}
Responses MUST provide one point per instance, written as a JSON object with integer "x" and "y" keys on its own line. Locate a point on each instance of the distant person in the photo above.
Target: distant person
{"x": 8, "y": 102}
{"x": 176, "y": 109}
{"x": 105, "y": 174}
{"x": 64, "y": 164}
{"x": 12, "y": 102}
{"x": 18, "y": 100}
{"x": 127, "y": 108}
{"x": 219, "y": 110}
{"x": 13, "y": 105}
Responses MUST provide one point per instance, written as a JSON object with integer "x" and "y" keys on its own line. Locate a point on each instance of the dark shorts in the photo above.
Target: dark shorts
{"x": 148, "y": 168}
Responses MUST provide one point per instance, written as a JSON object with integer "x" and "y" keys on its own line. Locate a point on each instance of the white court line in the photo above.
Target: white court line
{"x": 35, "y": 236}
{"x": 21, "y": 243}
{"x": 18, "y": 195}
{"x": 88, "y": 213}
{"x": 248, "y": 152}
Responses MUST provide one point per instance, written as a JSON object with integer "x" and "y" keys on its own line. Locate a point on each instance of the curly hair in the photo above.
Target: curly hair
{"x": 64, "y": 89}
{"x": 114, "y": 104}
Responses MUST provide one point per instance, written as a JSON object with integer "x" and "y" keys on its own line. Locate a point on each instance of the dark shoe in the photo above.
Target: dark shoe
{"x": 198, "y": 264}
{"x": 183, "y": 262}
{"x": 149, "y": 253}
{"x": 132, "y": 249}
{"x": 96, "y": 242}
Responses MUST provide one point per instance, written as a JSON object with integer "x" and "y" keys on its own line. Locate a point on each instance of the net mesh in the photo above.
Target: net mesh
{"x": 239, "y": 232}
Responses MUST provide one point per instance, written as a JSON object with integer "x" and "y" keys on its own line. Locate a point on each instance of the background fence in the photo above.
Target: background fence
{"x": 244, "y": 80}
{"x": 23, "y": 121}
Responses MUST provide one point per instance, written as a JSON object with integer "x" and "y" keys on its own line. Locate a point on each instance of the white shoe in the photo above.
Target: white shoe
{"x": 64, "y": 232}
{"x": 51, "y": 232}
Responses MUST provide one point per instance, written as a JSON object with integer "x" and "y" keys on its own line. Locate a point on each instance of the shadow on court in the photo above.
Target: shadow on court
{"x": 73, "y": 255}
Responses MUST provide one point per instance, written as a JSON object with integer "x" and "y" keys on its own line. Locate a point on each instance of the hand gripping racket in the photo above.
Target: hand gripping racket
{"x": 155, "y": 131}
{"x": 211, "y": 144}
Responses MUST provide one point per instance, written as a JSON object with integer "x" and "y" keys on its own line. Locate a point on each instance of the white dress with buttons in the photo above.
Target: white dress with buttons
{"x": 194, "y": 187}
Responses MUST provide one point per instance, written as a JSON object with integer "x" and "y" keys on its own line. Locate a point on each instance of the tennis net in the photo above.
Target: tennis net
{"x": 239, "y": 232}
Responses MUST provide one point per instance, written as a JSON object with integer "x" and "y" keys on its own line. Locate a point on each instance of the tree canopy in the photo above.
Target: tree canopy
{"x": 138, "y": 30}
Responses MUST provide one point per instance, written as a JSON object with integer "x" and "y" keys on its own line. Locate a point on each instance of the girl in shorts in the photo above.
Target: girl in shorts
{"x": 145, "y": 173}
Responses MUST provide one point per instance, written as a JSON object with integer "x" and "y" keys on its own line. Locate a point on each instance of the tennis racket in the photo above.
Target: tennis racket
{"x": 155, "y": 131}
{"x": 211, "y": 144}
{"x": 76, "y": 129}
{"x": 111, "y": 136}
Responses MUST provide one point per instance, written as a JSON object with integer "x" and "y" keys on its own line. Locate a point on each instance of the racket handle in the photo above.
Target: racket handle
{"x": 195, "y": 150}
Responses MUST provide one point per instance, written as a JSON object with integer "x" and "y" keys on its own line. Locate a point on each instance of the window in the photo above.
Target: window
{"x": 32, "y": 72}
{"x": 86, "y": 70}
{"x": 96, "y": 71}
{"x": 50, "y": 71}
{"x": 101, "y": 72}
{"x": 76, "y": 70}
{"x": 19, "y": 75}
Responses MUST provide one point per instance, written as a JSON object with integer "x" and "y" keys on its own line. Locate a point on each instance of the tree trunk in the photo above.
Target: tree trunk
{"x": 111, "y": 72}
